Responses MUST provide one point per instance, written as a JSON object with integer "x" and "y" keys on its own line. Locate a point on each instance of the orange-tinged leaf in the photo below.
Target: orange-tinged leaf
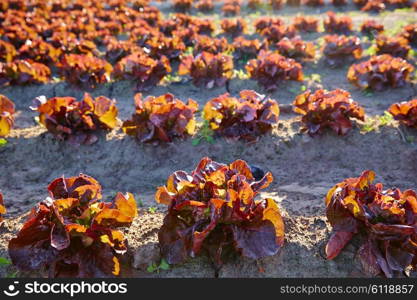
{"x": 217, "y": 203}
{"x": 66, "y": 204}
{"x": 117, "y": 235}
{"x": 126, "y": 204}
{"x": 245, "y": 193}
{"x": 189, "y": 204}
{"x": 337, "y": 242}
{"x": 365, "y": 179}
{"x": 113, "y": 215}
{"x": 191, "y": 127}
{"x": 162, "y": 196}
{"x": 2, "y": 207}
{"x": 272, "y": 213}
{"x": 217, "y": 177}
{"x": 183, "y": 185}
{"x": 107, "y": 111}
{"x": 7, "y": 111}
{"x": 330, "y": 194}
{"x": 233, "y": 196}
{"x": 4, "y": 126}
{"x": 116, "y": 268}
{"x": 352, "y": 204}
{"x": 76, "y": 227}
{"x": 242, "y": 168}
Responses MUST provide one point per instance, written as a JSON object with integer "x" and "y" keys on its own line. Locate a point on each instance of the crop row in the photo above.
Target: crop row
{"x": 122, "y": 42}
{"x": 212, "y": 211}
{"x": 229, "y": 7}
{"x": 166, "y": 117}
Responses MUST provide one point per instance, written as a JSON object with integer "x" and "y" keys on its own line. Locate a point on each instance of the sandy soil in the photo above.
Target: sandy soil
{"x": 304, "y": 169}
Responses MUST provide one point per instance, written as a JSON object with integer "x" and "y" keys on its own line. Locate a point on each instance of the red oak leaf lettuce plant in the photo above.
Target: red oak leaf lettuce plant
{"x": 296, "y": 48}
{"x": 85, "y": 71}
{"x": 22, "y": 71}
{"x": 75, "y": 121}
{"x": 245, "y": 117}
{"x": 39, "y": 51}
{"x": 263, "y": 23}
{"x": 338, "y": 24}
{"x": 371, "y": 28}
{"x": 161, "y": 118}
{"x": 231, "y": 7}
{"x": 405, "y": 112}
{"x": 306, "y": 24}
{"x": 271, "y": 68}
{"x": 204, "y": 43}
{"x": 73, "y": 233}
{"x": 247, "y": 49}
{"x": 384, "y": 220}
{"x": 327, "y": 109}
{"x": 233, "y": 27}
{"x": 380, "y": 72}
{"x": 207, "y": 69}
{"x": 214, "y": 211}
{"x": 409, "y": 32}
{"x": 144, "y": 70}
{"x": 274, "y": 33}
{"x": 340, "y": 49}
{"x": 396, "y": 46}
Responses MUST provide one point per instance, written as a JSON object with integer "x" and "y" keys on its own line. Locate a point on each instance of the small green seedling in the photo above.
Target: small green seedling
{"x": 12, "y": 274}
{"x": 169, "y": 78}
{"x": 4, "y": 262}
{"x": 154, "y": 267}
{"x": 205, "y": 133}
{"x": 368, "y": 127}
{"x": 385, "y": 119}
{"x": 152, "y": 209}
{"x": 371, "y": 51}
{"x": 314, "y": 77}
{"x": 240, "y": 74}
{"x": 378, "y": 121}
{"x": 3, "y": 142}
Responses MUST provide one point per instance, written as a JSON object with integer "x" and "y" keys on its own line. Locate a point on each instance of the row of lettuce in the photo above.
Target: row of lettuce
{"x": 212, "y": 211}
{"x": 166, "y": 118}
{"x": 233, "y": 7}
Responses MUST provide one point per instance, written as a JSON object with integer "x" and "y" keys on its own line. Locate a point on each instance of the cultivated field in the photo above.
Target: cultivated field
{"x": 304, "y": 166}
